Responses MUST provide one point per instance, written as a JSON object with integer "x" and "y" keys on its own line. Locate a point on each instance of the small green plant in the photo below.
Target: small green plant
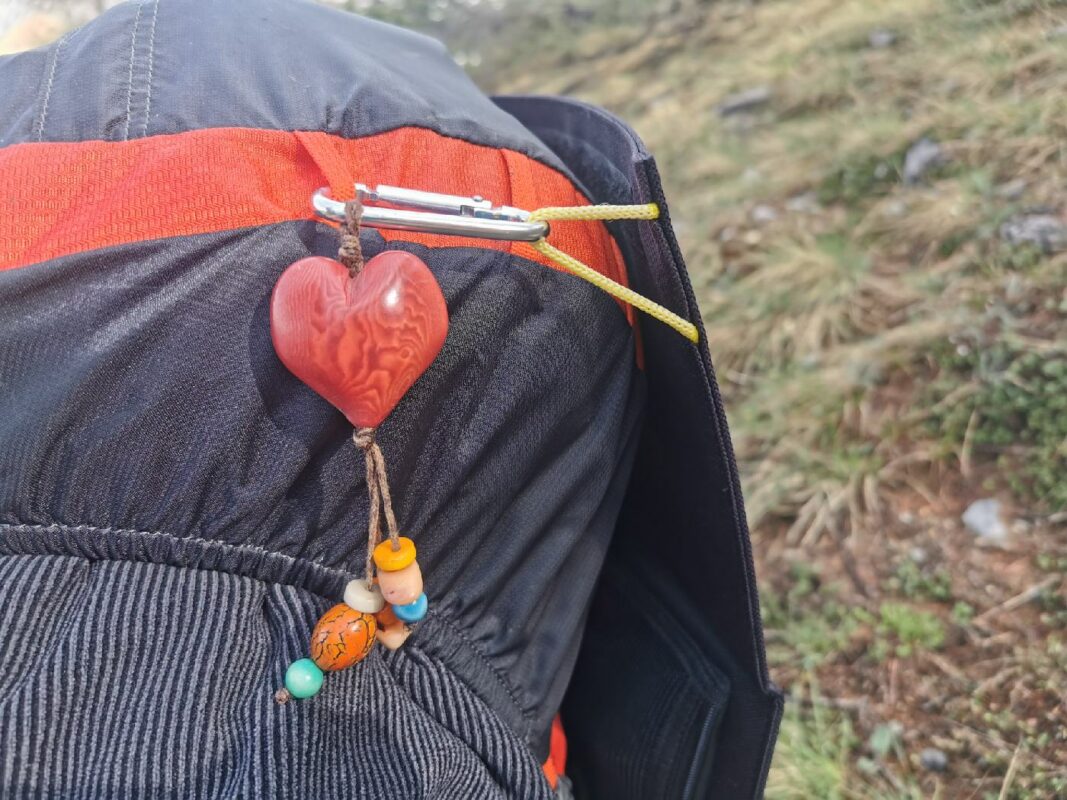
{"x": 813, "y": 752}
{"x": 811, "y": 628}
{"x": 860, "y": 178}
{"x": 904, "y": 631}
{"x": 962, "y": 613}
{"x": 1016, "y": 416}
{"x": 910, "y": 580}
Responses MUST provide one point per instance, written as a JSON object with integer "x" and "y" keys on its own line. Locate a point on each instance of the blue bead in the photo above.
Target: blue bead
{"x": 414, "y": 611}
{"x": 303, "y": 678}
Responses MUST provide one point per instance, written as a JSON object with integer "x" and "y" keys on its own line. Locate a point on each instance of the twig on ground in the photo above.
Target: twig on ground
{"x": 1010, "y": 776}
{"x": 1018, "y": 600}
{"x": 947, "y": 667}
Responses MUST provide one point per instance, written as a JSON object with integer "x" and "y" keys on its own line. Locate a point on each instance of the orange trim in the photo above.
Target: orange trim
{"x": 70, "y": 197}
{"x": 556, "y": 764}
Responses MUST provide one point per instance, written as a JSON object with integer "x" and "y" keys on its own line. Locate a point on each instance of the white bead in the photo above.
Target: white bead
{"x": 361, "y": 597}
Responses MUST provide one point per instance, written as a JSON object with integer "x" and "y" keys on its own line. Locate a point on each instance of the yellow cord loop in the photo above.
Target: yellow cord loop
{"x": 648, "y": 211}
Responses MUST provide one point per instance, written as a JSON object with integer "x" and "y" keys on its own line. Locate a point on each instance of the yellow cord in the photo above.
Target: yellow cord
{"x": 646, "y": 211}
{"x": 617, "y": 290}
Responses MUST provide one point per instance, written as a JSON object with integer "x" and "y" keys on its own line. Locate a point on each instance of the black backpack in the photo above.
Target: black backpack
{"x": 577, "y": 507}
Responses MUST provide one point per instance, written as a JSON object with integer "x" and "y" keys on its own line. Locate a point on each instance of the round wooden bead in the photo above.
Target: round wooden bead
{"x": 403, "y": 586}
{"x": 390, "y": 560}
{"x": 303, "y": 678}
{"x": 363, "y": 597}
{"x": 386, "y": 617}
{"x": 394, "y": 636}
{"x": 392, "y": 632}
{"x": 342, "y": 637}
{"x": 412, "y": 612}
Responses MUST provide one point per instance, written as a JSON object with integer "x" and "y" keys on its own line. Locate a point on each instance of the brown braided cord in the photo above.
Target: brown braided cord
{"x": 381, "y": 498}
{"x": 350, "y": 253}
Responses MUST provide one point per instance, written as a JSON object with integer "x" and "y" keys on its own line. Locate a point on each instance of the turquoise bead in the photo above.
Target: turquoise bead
{"x": 414, "y": 611}
{"x": 303, "y": 678}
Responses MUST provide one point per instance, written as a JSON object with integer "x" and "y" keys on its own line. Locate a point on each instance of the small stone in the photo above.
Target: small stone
{"x": 1044, "y": 231}
{"x": 1058, "y": 32}
{"x": 806, "y": 203}
{"x": 921, "y": 157}
{"x": 906, "y": 517}
{"x": 751, "y": 175}
{"x": 933, "y": 759}
{"x": 918, "y": 555}
{"x": 895, "y": 208}
{"x": 744, "y": 102}
{"x": 1011, "y": 190}
{"x": 763, "y": 214}
{"x": 983, "y": 518}
{"x": 881, "y": 38}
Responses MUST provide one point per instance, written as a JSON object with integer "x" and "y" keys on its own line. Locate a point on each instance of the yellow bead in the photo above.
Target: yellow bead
{"x": 391, "y": 560}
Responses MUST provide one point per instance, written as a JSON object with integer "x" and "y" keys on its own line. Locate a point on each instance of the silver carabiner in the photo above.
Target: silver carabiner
{"x": 447, "y": 214}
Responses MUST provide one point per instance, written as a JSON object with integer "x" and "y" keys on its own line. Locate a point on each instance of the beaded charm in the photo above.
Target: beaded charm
{"x": 342, "y": 637}
{"x": 361, "y": 335}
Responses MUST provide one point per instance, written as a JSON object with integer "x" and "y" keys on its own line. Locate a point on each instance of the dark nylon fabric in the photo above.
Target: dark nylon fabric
{"x": 682, "y": 540}
{"x": 146, "y": 401}
{"x": 152, "y": 67}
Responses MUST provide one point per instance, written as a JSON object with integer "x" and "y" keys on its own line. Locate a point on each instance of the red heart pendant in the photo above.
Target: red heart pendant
{"x": 359, "y": 342}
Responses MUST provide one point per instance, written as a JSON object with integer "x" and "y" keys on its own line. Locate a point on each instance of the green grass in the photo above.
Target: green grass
{"x": 1015, "y": 416}
{"x": 904, "y": 631}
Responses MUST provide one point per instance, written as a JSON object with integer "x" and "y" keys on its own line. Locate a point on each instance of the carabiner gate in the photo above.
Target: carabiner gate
{"x": 447, "y": 214}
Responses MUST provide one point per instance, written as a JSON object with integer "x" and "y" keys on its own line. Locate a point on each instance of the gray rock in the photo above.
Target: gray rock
{"x": 881, "y": 38}
{"x": 806, "y": 203}
{"x": 751, "y": 175}
{"x": 1058, "y": 32}
{"x": 921, "y": 157}
{"x": 933, "y": 759}
{"x": 744, "y": 102}
{"x": 1012, "y": 190}
{"x": 983, "y": 518}
{"x": 895, "y": 208}
{"x": 763, "y": 214}
{"x": 1045, "y": 231}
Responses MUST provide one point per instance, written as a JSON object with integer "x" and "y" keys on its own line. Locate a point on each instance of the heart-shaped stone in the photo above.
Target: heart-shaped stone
{"x": 359, "y": 342}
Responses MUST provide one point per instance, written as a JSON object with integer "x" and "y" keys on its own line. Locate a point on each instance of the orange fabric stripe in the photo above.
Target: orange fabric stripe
{"x": 556, "y": 763}
{"x": 69, "y": 197}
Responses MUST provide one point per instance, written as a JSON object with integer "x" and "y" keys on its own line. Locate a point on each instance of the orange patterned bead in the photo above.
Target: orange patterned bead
{"x": 342, "y": 637}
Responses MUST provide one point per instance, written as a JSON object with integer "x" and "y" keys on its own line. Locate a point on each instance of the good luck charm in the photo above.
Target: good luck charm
{"x": 360, "y": 335}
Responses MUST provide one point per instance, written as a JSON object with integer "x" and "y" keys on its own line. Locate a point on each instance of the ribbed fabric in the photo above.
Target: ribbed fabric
{"x": 133, "y": 679}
